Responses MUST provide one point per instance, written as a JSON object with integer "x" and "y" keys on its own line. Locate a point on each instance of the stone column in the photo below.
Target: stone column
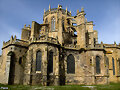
{"x": 44, "y": 69}
{"x": 91, "y": 40}
{"x": 27, "y": 70}
{"x": 60, "y": 39}
{"x": 93, "y": 70}
{"x": 34, "y": 30}
{"x": 57, "y": 70}
{"x": 7, "y": 68}
{"x": 81, "y": 36}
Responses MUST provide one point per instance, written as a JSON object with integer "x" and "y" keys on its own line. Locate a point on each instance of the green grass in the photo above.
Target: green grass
{"x": 111, "y": 86}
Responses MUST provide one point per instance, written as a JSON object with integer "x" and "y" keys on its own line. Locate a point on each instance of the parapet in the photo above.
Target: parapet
{"x": 15, "y": 41}
{"x": 55, "y": 10}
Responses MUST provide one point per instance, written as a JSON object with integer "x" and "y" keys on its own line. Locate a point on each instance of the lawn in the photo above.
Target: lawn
{"x": 111, "y": 86}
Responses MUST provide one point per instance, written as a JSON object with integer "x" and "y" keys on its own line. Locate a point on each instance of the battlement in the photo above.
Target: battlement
{"x": 55, "y": 10}
{"x": 15, "y": 41}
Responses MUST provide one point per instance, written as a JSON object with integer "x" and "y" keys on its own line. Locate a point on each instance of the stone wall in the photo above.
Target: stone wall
{"x": 85, "y": 68}
{"x": 19, "y": 65}
{"x": 114, "y": 53}
{"x": 40, "y": 77}
{"x": 62, "y": 42}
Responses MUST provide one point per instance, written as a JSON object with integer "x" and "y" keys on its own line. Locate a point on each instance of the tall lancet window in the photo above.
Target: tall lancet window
{"x": 38, "y": 60}
{"x": 46, "y": 28}
{"x": 53, "y": 24}
{"x": 98, "y": 71}
{"x": 70, "y": 64}
{"x": 50, "y": 62}
{"x": 63, "y": 27}
{"x": 113, "y": 62}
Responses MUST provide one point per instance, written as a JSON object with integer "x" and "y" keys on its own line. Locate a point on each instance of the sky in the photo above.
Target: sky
{"x": 105, "y": 14}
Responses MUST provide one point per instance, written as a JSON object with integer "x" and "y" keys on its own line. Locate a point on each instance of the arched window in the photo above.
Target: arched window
{"x": 70, "y": 64}
{"x": 38, "y": 60}
{"x": 68, "y": 21}
{"x": 53, "y": 24}
{"x": 98, "y": 71}
{"x": 94, "y": 42}
{"x": 50, "y": 62}
{"x": 119, "y": 64}
{"x": 113, "y": 64}
{"x": 63, "y": 27}
{"x": 46, "y": 22}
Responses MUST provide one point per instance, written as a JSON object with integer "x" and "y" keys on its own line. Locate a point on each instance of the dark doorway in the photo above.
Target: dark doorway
{"x": 50, "y": 68}
{"x": 12, "y": 68}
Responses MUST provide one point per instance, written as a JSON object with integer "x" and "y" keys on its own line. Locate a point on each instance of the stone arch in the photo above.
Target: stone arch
{"x": 53, "y": 49}
{"x": 70, "y": 64}
{"x": 39, "y": 49}
{"x": 98, "y": 62}
{"x": 10, "y": 67}
{"x": 10, "y": 53}
{"x": 46, "y": 20}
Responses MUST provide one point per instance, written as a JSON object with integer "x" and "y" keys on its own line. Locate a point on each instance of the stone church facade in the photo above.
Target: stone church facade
{"x": 62, "y": 50}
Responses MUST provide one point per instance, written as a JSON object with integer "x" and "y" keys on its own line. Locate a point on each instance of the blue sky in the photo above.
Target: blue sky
{"x": 104, "y": 13}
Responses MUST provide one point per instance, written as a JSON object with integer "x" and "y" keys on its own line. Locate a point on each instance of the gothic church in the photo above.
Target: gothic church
{"x": 64, "y": 50}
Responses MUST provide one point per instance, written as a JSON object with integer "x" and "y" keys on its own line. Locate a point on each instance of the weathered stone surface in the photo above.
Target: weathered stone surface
{"x": 56, "y": 40}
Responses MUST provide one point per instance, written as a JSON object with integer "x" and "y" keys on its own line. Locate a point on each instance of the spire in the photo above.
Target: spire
{"x": 101, "y": 44}
{"x": 25, "y": 26}
{"x": 15, "y": 38}
{"x": 66, "y": 9}
{"x": 115, "y": 43}
{"x": 49, "y": 7}
{"x": 77, "y": 11}
{"x": 44, "y": 10}
{"x": 70, "y": 11}
{"x": 11, "y": 39}
{"x": 82, "y": 9}
{"x": 58, "y": 5}
{"x": 29, "y": 26}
